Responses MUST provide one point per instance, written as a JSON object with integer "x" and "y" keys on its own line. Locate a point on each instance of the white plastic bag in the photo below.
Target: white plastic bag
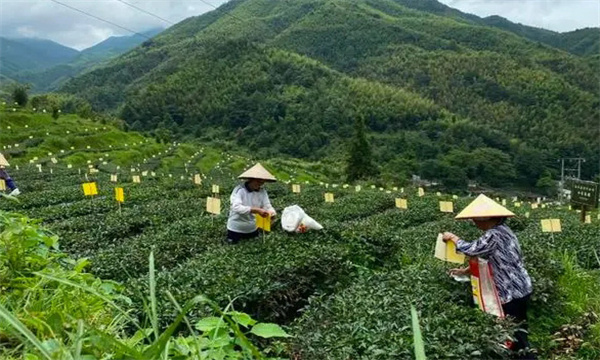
{"x": 295, "y": 219}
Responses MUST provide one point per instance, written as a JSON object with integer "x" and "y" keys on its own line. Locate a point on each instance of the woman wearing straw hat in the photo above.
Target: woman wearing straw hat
{"x": 248, "y": 199}
{"x": 500, "y": 247}
{"x": 10, "y": 184}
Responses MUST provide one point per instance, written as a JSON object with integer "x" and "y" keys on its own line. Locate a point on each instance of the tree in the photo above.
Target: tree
{"x": 55, "y": 112}
{"x": 546, "y": 185}
{"x": 360, "y": 163}
{"x": 19, "y": 94}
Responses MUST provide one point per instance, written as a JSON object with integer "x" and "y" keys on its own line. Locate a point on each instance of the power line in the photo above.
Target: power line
{"x": 103, "y": 20}
{"x": 226, "y": 13}
{"x": 146, "y": 12}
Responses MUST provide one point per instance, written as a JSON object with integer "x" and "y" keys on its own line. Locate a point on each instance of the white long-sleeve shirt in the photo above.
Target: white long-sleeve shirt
{"x": 241, "y": 220}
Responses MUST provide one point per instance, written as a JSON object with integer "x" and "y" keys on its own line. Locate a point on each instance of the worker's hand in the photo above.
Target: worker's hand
{"x": 448, "y": 236}
{"x": 259, "y": 211}
{"x": 460, "y": 272}
{"x": 264, "y": 213}
{"x": 273, "y": 214}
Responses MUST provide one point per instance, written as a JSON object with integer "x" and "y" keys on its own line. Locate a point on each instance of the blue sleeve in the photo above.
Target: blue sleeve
{"x": 483, "y": 246}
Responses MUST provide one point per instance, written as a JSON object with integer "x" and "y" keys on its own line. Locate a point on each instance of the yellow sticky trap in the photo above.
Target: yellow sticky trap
{"x": 551, "y": 225}
{"x": 527, "y": 214}
{"x": 346, "y": 186}
{"x": 372, "y": 186}
{"x": 588, "y": 219}
{"x": 144, "y": 173}
{"x": 2, "y": 185}
{"x": 215, "y": 189}
{"x": 263, "y": 222}
{"x": 517, "y": 204}
{"x": 534, "y": 206}
{"x": 357, "y": 188}
{"x": 570, "y": 207}
{"x": 421, "y": 192}
{"x": 69, "y": 166}
{"x": 515, "y": 199}
{"x": 446, "y": 206}
{"x": 90, "y": 189}
{"x": 119, "y": 195}
{"x": 438, "y": 193}
{"x": 455, "y": 197}
{"x": 504, "y": 202}
{"x": 401, "y": 203}
{"x": 113, "y": 178}
{"x": 197, "y": 179}
{"x": 329, "y": 197}
{"x": 296, "y": 189}
{"x": 54, "y": 161}
{"x": 213, "y": 205}
{"x": 395, "y": 188}
{"x": 446, "y": 251}
{"x": 136, "y": 179}
{"x": 402, "y": 190}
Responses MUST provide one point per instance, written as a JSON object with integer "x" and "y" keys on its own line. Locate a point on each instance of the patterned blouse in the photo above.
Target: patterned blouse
{"x": 499, "y": 245}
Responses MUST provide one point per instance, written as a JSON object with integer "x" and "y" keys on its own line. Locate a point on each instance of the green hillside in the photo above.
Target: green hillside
{"x": 431, "y": 87}
{"x": 31, "y": 54}
{"x": 51, "y": 78}
{"x": 29, "y": 138}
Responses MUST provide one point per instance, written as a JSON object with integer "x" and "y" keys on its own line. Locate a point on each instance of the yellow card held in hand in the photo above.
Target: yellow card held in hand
{"x": 446, "y": 251}
{"x": 119, "y": 195}
{"x": 263, "y": 222}
{"x": 401, "y": 203}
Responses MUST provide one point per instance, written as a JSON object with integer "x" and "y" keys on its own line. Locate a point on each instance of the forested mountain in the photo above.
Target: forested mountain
{"x": 443, "y": 94}
{"x": 31, "y": 54}
{"x": 579, "y": 42}
{"x": 58, "y": 69}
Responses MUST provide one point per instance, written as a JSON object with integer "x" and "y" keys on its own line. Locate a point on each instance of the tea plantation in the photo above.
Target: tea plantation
{"x": 341, "y": 293}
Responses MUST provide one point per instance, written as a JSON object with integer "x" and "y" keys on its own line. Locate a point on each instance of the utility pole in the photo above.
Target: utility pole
{"x": 571, "y": 171}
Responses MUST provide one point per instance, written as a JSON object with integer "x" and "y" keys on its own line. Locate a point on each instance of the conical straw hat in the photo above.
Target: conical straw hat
{"x": 484, "y": 207}
{"x": 258, "y": 172}
{"x": 3, "y": 161}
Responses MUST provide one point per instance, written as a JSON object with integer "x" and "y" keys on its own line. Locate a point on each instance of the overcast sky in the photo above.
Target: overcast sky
{"x": 47, "y": 19}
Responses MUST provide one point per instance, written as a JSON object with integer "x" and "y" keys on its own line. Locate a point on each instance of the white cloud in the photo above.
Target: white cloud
{"x": 557, "y": 15}
{"x": 47, "y": 19}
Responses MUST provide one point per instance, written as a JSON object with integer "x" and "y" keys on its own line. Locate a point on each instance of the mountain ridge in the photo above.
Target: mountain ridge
{"x": 473, "y": 74}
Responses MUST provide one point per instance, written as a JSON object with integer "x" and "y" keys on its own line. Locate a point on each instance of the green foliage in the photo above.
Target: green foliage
{"x": 76, "y": 319}
{"x": 546, "y": 184}
{"x": 20, "y": 95}
{"x": 360, "y": 162}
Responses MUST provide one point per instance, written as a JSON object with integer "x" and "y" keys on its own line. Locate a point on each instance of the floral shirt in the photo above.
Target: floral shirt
{"x": 500, "y": 246}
